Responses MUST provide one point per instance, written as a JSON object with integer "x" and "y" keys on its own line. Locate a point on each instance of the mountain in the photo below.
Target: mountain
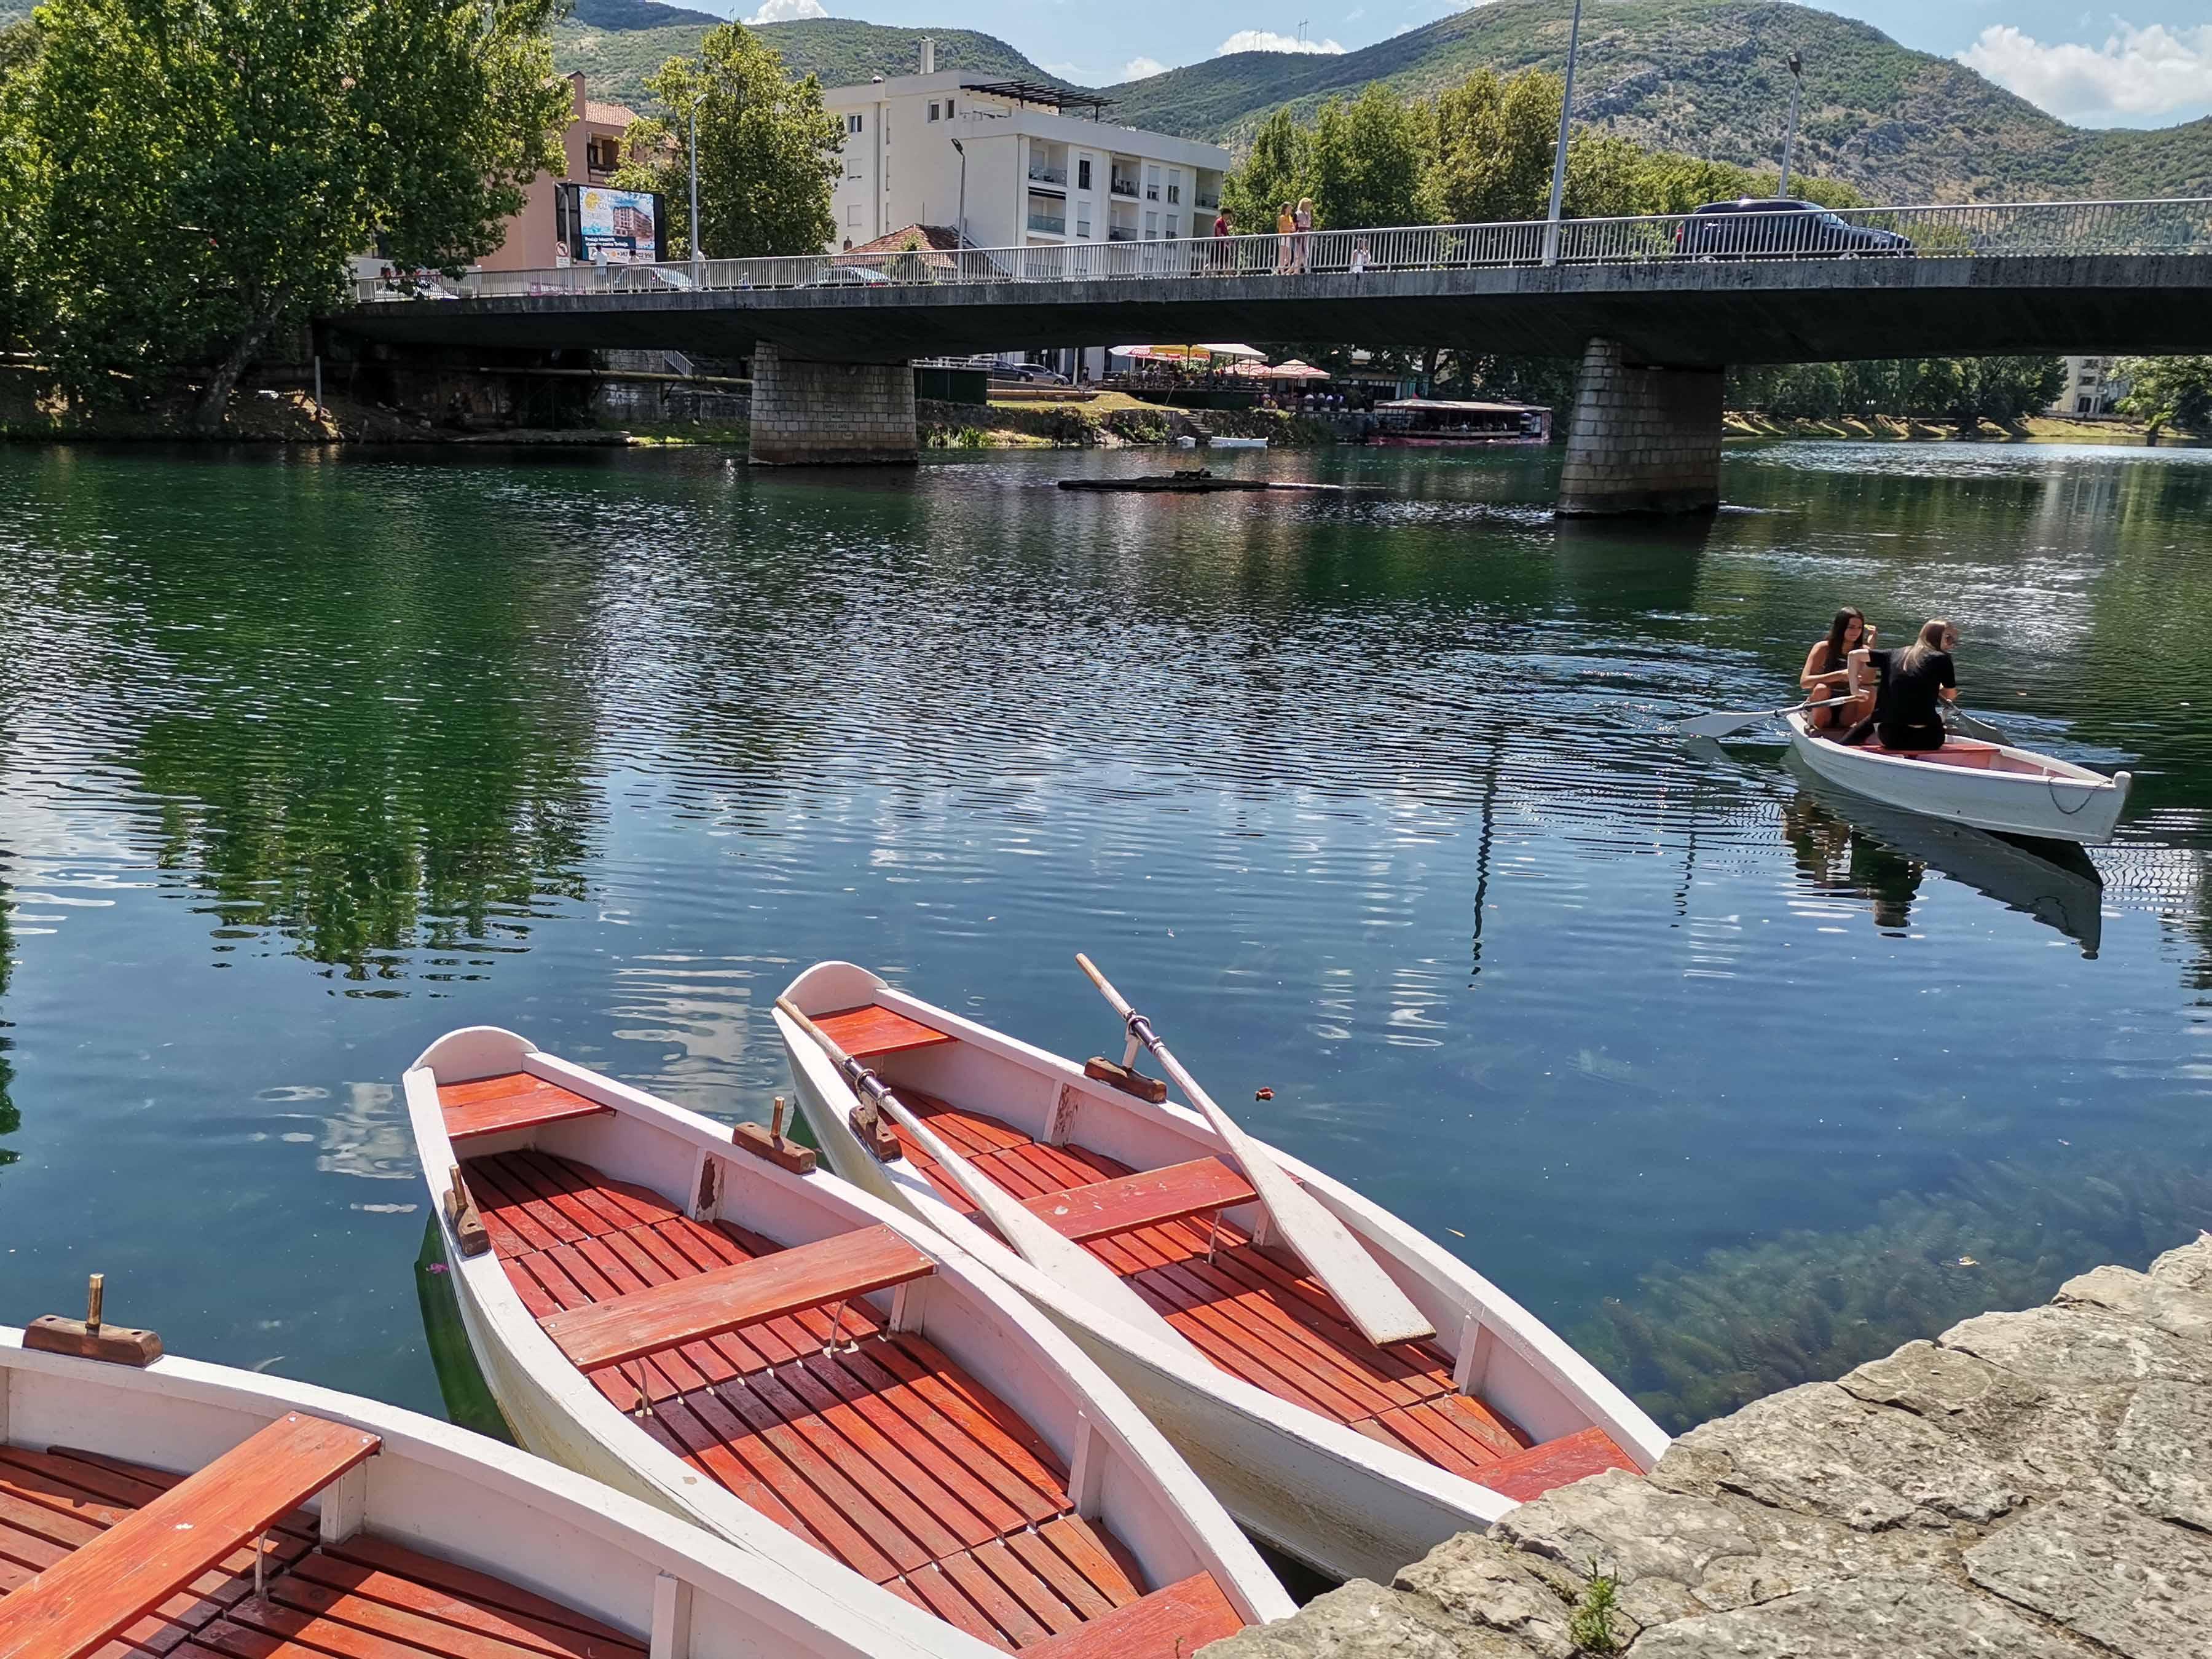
{"x": 1708, "y": 78}
{"x": 617, "y": 43}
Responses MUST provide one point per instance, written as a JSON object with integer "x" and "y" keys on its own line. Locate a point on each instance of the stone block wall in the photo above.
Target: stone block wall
{"x": 2029, "y": 1485}
{"x": 817, "y": 414}
{"x": 1641, "y": 440}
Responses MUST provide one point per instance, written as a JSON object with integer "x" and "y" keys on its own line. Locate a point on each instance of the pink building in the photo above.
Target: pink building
{"x": 592, "y": 144}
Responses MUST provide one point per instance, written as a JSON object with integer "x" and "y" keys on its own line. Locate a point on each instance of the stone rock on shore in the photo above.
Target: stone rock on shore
{"x": 2029, "y": 1485}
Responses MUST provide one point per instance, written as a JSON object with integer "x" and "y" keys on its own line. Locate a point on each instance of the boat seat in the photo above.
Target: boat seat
{"x": 1148, "y": 1198}
{"x": 1167, "y": 1624}
{"x": 870, "y": 1030}
{"x": 516, "y": 1100}
{"x": 629, "y": 1326}
{"x": 80, "y": 1603}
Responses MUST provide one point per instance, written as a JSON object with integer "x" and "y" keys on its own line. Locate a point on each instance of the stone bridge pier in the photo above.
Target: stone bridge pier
{"x": 1642, "y": 439}
{"x": 810, "y": 412}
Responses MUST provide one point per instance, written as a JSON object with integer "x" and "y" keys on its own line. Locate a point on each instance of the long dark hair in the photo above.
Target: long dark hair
{"x": 1929, "y": 642}
{"x": 1836, "y": 629}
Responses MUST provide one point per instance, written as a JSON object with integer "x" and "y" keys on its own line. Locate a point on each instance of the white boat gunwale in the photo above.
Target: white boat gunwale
{"x": 1130, "y": 1440}
{"x": 1461, "y": 1301}
{"x": 179, "y": 1414}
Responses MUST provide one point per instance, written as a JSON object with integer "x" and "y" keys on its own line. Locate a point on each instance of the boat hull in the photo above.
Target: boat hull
{"x": 1314, "y": 1489}
{"x": 2010, "y": 791}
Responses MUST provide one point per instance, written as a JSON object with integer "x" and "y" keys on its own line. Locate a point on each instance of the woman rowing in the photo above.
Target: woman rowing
{"x": 1828, "y": 673}
{"x": 1915, "y": 684}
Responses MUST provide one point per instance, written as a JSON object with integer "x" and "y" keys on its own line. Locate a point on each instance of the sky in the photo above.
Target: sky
{"x": 2150, "y": 65}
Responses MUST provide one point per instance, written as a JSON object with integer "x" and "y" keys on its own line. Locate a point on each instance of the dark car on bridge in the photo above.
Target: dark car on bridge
{"x": 1781, "y": 229}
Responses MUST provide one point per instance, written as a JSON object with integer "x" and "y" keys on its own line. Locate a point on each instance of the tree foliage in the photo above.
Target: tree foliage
{"x": 1966, "y": 390}
{"x": 2166, "y": 391}
{"x": 183, "y": 177}
{"x": 767, "y": 150}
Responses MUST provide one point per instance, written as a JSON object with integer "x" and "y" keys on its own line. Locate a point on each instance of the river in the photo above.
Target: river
{"x": 1371, "y": 800}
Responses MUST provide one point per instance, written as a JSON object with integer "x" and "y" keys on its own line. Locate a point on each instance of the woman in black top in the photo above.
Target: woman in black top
{"x": 1916, "y": 683}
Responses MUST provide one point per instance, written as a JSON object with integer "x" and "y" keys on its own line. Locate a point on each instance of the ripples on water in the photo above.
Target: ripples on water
{"x": 1372, "y": 800}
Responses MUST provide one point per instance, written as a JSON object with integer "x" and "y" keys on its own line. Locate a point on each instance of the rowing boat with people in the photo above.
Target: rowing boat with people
{"x": 1354, "y": 1392}
{"x": 699, "y": 1316}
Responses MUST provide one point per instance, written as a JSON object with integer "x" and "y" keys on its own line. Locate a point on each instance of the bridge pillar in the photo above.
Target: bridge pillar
{"x": 807, "y": 413}
{"x": 1642, "y": 439}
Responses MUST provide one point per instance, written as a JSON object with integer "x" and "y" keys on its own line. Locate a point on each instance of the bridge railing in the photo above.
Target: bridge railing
{"x": 2016, "y": 230}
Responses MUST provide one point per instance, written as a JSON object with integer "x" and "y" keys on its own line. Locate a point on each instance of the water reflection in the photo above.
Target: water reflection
{"x": 1844, "y": 843}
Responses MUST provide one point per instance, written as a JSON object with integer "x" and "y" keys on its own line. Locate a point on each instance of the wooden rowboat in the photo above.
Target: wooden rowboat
{"x": 703, "y": 1320}
{"x": 1354, "y": 1458}
{"x": 1990, "y": 785}
{"x": 134, "y": 1503}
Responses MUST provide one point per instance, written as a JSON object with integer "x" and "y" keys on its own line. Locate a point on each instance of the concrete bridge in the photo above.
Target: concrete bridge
{"x": 1656, "y": 307}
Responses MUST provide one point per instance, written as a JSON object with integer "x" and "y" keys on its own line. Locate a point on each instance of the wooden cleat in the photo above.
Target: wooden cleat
{"x": 876, "y": 1135}
{"x": 1128, "y": 1079}
{"x": 461, "y": 1215}
{"x": 88, "y": 1339}
{"x": 780, "y": 1150}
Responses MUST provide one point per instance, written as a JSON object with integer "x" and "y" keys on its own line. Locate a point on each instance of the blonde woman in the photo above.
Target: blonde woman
{"x": 1302, "y": 239}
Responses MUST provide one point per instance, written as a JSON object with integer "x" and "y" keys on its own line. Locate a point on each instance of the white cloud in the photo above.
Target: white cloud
{"x": 2137, "y": 72}
{"x": 1268, "y": 41}
{"x": 1138, "y": 68}
{"x": 786, "y": 11}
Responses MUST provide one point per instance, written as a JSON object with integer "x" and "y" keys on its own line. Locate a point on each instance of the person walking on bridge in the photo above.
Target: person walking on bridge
{"x": 1286, "y": 223}
{"x": 1224, "y": 227}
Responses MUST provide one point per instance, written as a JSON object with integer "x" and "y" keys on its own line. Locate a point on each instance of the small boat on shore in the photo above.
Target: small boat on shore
{"x": 154, "y": 1505}
{"x": 1353, "y": 1456}
{"x": 701, "y": 1318}
{"x": 1990, "y": 785}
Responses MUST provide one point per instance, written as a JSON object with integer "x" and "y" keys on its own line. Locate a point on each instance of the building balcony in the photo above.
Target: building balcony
{"x": 1051, "y": 224}
{"x": 1121, "y": 186}
{"x": 1041, "y": 174}
{"x": 1205, "y": 200}
{"x": 1120, "y": 234}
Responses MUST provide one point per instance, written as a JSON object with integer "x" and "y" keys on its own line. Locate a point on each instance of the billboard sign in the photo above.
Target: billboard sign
{"x": 614, "y": 227}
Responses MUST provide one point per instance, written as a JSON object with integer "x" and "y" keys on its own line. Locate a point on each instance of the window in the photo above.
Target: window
{"x": 852, "y": 123}
{"x": 852, "y": 167}
{"x": 932, "y": 109}
{"x": 1083, "y": 222}
{"x": 1174, "y": 227}
{"x": 852, "y": 216}
{"x": 1151, "y": 183}
{"x": 1152, "y": 225}
{"x": 1174, "y": 184}
{"x": 948, "y": 109}
{"x": 1083, "y": 173}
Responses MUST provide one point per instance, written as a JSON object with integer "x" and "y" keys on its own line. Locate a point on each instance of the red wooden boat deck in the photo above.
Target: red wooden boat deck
{"x": 1271, "y": 1325}
{"x": 364, "y": 1599}
{"x": 881, "y": 1452}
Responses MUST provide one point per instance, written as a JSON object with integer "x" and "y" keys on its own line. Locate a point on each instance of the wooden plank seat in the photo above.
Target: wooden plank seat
{"x": 1144, "y": 1198}
{"x": 103, "y": 1586}
{"x": 1170, "y": 1623}
{"x": 643, "y": 1322}
{"x": 364, "y": 1598}
{"x": 1262, "y": 1320}
{"x": 877, "y": 1448}
{"x": 516, "y": 1100}
{"x": 870, "y": 1030}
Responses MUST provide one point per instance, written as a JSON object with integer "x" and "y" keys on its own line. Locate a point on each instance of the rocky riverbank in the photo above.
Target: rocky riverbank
{"x": 2029, "y": 1485}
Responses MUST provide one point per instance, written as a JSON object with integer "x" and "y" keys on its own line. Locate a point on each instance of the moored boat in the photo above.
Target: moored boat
{"x": 1353, "y": 1457}
{"x": 1987, "y": 785}
{"x": 1456, "y": 423}
{"x": 199, "y": 1512}
{"x": 703, "y": 1318}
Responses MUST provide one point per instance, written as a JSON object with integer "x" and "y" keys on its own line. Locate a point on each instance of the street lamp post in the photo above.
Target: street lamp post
{"x": 695, "y": 255}
{"x": 1789, "y": 143}
{"x": 1560, "y": 155}
{"x": 960, "y": 228}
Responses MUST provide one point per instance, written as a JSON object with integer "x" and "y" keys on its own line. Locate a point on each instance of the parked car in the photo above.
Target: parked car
{"x": 648, "y": 279}
{"x": 1033, "y": 374}
{"x": 850, "y": 276}
{"x": 1781, "y": 229}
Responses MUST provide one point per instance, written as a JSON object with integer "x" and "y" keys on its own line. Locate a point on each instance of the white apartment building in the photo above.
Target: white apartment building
{"x": 1042, "y": 164}
{"x": 2091, "y": 387}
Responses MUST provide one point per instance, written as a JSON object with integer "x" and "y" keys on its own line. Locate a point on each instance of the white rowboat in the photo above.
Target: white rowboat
{"x": 140, "y": 1497}
{"x": 1354, "y": 1459}
{"x": 1987, "y": 785}
{"x": 786, "y": 1360}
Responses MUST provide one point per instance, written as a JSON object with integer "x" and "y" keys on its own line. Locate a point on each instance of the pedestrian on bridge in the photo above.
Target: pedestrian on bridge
{"x": 1224, "y": 227}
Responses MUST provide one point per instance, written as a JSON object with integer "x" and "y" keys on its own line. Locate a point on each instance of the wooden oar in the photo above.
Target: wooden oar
{"x": 1067, "y": 1264}
{"x": 1719, "y": 726}
{"x": 1383, "y": 1311}
{"x": 1973, "y": 726}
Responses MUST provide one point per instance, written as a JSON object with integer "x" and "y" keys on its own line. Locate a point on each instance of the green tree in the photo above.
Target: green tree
{"x": 767, "y": 150}
{"x": 1367, "y": 159}
{"x": 2166, "y": 391}
{"x": 1492, "y": 144}
{"x": 188, "y": 178}
{"x": 1278, "y": 168}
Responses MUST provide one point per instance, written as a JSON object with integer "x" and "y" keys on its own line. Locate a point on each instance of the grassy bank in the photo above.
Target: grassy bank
{"x": 1895, "y": 428}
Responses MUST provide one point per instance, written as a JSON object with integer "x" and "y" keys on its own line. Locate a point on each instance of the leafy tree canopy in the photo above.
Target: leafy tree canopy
{"x": 767, "y": 150}
{"x": 183, "y": 177}
{"x": 2168, "y": 390}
